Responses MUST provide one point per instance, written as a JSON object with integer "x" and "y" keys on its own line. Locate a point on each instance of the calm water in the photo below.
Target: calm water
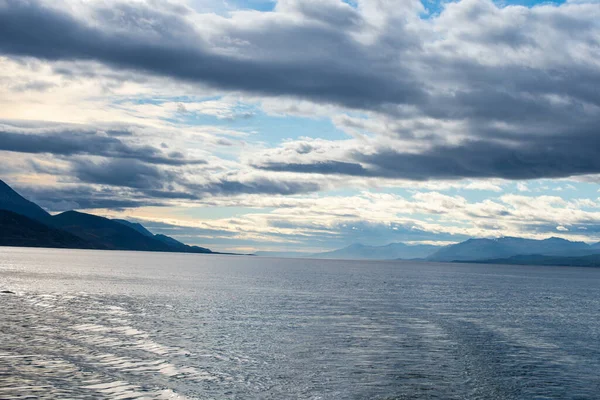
{"x": 93, "y": 324}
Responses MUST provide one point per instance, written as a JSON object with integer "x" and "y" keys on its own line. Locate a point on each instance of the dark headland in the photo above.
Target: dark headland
{"x": 25, "y": 224}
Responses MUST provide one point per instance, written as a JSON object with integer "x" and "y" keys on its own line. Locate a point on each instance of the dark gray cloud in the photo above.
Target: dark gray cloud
{"x": 546, "y": 158}
{"x": 529, "y": 158}
{"x": 316, "y": 58}
{"x": 258, "y": 185}
{"x": 122, "y": 172}
{"x": 522, "y": 82}
{"x": 104, "y": 189}
{"x": 168, "y": 46}
{"x": 184, "y": 231}
{"x": 320, "y": 167}
{"x": 126, "y": 183}
{"x": 171, "y": 194}
{"x": 70, "y": 142}
{"x": 512, "y": 93}
{"x": 160, "y": 183}
{"x": 82, "y": 197}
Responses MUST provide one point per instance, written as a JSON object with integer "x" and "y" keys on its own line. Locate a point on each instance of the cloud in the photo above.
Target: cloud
{"x": 364, "y": 57}
{"x": 482, "y": 185}
{"x": 82, "y": 197}
{"x": 529, "y": 158}
{"x": 69, "y": 140}
{"x": 321, "y": 167}
{"x": 155, "y": 183}
{"x": 134, "y": 36}
{"x": 257, "y": 185}
{"x": 336, "y": 221}
{"x": 543, "y": 158}
{"x": 124, "y": 173}
{"x": 479, "y": 91}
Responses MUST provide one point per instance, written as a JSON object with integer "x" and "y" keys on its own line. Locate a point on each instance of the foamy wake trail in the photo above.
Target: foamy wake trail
{"x": 54, "y": 346}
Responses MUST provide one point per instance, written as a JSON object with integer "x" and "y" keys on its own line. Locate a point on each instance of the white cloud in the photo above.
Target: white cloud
{"x": 483, "y": 185}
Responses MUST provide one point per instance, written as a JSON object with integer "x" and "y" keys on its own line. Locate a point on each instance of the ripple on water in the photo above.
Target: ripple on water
{"x": 250, "y": 328}
{"x": 65, "y": 359}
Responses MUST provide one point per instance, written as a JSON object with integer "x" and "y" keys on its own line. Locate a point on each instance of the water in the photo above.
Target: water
{"x": 94, "y": 324}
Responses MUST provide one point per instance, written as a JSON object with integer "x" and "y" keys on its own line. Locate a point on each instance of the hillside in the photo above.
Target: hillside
{"x": 21, "y": 231}
{"x": 482, "y": 249}
{"x": 13, "y": 201}
{"x": 282, "y": 254}
{"x": 136, "y": 226}
{"x": 105, "y": 233}
{"x": 176, "y": 245}
{"x": 24, "y": 223}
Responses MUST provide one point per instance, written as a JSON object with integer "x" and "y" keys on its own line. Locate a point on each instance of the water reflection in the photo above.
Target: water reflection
{"x": 252, "y": 328}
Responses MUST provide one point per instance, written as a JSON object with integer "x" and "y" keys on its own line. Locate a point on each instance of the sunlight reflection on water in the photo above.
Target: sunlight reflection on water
{"x": 139, "y": 325}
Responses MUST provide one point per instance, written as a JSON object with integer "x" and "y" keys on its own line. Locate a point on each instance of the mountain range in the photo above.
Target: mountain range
{"x": 24, "y": 223}
{"x": 485, "y": 249}
{"x": 504, "y": 250}
{"x": 390, "y": 251}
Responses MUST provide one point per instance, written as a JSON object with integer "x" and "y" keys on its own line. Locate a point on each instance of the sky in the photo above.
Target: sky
{"x": 307, "y": 125}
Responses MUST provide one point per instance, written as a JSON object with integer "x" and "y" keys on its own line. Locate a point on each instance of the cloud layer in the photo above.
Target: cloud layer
{"x": 518, "y": 82}
{"x": 177, "y": 108}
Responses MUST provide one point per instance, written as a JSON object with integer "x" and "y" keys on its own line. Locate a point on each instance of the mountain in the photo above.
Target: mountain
{"x": 21, "y": 231}
{"x": 391, "y": 251}
{"x": 482, "y": 249}
{"x": 592, "y": 260}
{"x": 105, "y": 233}
{"x": 112, "y": 234}
{"x": 176, "y": 245}
{"x": 137, "y": 226}
{"x": 13, "y": 201}
{"x": 23, "y": 223}
{"x": 282, "y": 254}
{"x": 169, "y": 241}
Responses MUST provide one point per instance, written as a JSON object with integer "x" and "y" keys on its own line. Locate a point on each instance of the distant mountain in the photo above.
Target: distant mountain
{"x": 482, "y": 249}
{"x": 178, "y": 246}
{"x": 169, "y": 241}
{"x": 174, "y": 244}
{"x": 592, "y": 260}
{"x": 391, "y": 251}
{"x": 137, "y": 226}
{"x": 19, "y": 230}
{"x": 13, "y": 201}
{"x": 282, "y": 254}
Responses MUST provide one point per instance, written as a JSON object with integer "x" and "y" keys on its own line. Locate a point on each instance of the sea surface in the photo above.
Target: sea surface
{"x": 123, "y": 325}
